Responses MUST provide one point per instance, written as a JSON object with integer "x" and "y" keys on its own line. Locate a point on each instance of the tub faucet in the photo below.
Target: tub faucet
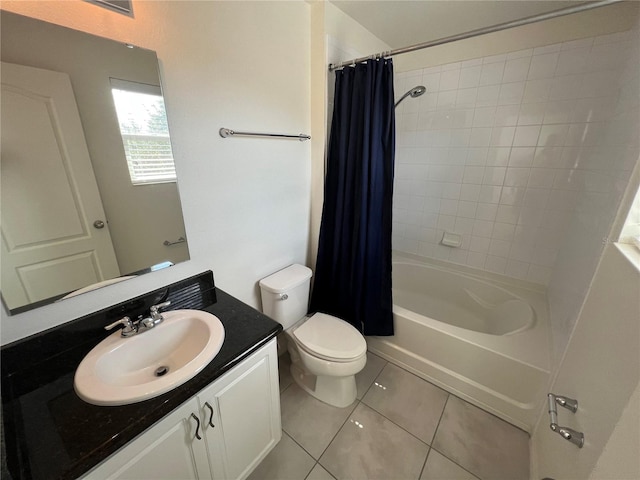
{"x": 575, "y": 437}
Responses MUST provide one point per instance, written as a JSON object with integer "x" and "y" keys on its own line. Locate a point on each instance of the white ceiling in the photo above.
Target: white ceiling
{"x": 403, "y": 23}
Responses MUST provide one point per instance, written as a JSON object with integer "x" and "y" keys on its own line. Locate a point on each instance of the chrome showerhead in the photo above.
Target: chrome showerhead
{"x": 417, "y": 91}
{"x": 413, "y": 93}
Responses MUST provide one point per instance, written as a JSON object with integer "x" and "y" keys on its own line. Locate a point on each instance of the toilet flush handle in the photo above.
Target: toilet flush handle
{"x": 283, "y": 296}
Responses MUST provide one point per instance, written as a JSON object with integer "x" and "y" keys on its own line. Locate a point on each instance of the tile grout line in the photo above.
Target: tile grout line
{"x": 285, "y": 389}
{"x": 434, "y": 437}
{"x": 305, "y": 451}
{"x": 361, "y": 401}
{"x": 314, "y": 466}
{"x": 434, "y": 434}
{"x": 456, "y": 463}
{"x": 400, "y": 427}
{"x": 455, "y": 396}
{"x": 425, "y": 461}
{"x": 317, "y": 460}
{"x": 376, "y": 377}
{"x": 296, "y": 442}
{"x": 358, "y": 402}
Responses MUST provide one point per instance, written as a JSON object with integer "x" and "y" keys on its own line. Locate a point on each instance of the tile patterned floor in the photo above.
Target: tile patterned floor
{"x": 399, "y": 427}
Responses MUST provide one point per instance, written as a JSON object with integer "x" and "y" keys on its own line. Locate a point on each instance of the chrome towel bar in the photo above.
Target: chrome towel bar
{"x": 227, "y": 132}
{"x": 166, "y": 243}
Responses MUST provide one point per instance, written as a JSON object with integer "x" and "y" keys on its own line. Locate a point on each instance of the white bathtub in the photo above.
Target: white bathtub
{"x": 479, "y": 336}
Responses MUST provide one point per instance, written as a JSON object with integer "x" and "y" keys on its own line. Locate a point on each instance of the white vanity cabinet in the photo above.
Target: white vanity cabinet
{"x": 241, "y": 415}
{"x": 167, "y": 451}
{"x": 239, "y": 424}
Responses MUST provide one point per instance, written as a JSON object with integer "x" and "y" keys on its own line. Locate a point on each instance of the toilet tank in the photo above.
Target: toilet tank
{"x": 285, "y": 294}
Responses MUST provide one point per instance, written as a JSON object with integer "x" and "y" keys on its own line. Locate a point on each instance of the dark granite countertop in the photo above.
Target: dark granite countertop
{"x": 50, "y": 433}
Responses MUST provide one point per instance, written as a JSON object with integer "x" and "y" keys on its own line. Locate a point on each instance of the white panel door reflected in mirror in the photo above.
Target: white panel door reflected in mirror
{"x": 45, "y": 204}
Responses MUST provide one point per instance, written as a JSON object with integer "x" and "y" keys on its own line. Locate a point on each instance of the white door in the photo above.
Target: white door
{"x": 50, "y": 198}
{"x": 601, "y": 369}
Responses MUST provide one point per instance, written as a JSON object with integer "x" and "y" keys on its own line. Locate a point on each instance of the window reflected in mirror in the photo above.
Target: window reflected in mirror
{"x": 145, "y": 132}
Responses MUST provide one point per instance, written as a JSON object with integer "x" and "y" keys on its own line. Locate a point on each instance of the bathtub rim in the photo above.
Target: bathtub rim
{"x": 504, "y": 281}
{"x": 377, "y": 347}
{"x": 531, "y": 346}
{"x": 514, "y": 295}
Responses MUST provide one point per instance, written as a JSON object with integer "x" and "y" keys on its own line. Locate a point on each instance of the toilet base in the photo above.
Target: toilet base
{"x": 336, "y": 391}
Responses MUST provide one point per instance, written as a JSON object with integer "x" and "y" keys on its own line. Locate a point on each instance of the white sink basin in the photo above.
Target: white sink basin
{"x": 119, "y": 370}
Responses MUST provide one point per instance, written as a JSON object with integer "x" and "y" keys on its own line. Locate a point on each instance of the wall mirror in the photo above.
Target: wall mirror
{"x": 89, "y": 190}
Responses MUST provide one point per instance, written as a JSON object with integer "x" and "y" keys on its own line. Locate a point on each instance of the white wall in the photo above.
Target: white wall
{"x": 619, "y": 460}
{"x": 346, "y": 40}
{"x": 241, "y": 65}
{"x": 601, "y": 369}
{"x": 605, "y": 172}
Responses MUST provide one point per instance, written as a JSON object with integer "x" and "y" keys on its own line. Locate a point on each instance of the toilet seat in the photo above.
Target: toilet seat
{"x": 330, "y": 338}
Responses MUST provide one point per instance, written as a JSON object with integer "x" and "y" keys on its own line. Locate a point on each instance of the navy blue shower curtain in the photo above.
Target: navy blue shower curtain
{"x": 353, "y": 270}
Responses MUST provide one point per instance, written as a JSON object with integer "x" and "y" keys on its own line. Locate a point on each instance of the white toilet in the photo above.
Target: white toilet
{"x": 326, "y": 352}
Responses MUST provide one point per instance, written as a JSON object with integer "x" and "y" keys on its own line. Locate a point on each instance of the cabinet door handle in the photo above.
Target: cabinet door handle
{"x": 206, "y": 404}
{"x": 197, "y": 426}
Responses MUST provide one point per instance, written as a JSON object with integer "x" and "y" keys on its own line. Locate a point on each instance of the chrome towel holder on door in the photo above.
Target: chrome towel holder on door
{"x": 227, "y": 132}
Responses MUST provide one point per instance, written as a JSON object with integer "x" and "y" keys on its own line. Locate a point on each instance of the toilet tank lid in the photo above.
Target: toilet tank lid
{"x": 286, "y": 279}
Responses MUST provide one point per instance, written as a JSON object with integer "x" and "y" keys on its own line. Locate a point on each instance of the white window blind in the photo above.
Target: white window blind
{"x": 145, "y": 132}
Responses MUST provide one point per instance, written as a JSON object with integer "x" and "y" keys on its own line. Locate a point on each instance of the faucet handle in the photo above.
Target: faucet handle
{"x": 155, "y": 314}
{"x": 126, "y": 321}
{"x": 156, "y": 308}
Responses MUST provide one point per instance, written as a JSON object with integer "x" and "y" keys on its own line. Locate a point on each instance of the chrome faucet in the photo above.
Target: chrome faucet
{"x": 142, "y": 325}
{"x": 129, "y": 329}
{"x": 155, "y": 312}
{"x": 575, "y": 437}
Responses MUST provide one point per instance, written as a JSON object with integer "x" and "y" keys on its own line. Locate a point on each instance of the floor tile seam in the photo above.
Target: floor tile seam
{"x": 415, "y": 375}
{"x": 332, "y": 438}
{"x": 374, "y": 380}
{"x": 424, "y": 464}
{"x": 358, "y": 402}
{"x": 399, "y": 426}
{"x": 309, "y": 473}
{"x": 298, "y": 444}
{"x": 286, "y": 388}
{"x": 313, "y": 468}
{"x": 439, "y": 419}
{"x": 345, "y": 422}
{"x": 451, "y": 394}
{"x": 490, "y": 413}
{"x": 435, "y": 433}
{"x": 456, "y": 463}
{"x": 444, "y": 407}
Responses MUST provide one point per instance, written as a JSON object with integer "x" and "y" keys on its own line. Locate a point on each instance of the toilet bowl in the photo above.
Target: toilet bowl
{"x": 326, "y": 352}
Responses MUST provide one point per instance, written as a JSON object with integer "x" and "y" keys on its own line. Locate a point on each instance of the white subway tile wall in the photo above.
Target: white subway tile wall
{"x": 602, "y": 146}
{"x": 522, "y": 154}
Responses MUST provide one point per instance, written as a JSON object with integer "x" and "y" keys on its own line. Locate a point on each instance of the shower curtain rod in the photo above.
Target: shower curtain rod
{"x": 480, "y": 31}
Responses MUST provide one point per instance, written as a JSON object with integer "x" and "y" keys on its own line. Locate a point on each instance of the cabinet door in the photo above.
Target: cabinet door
{"x": 246, "y": 406}
{"x": 168, "y": 451}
